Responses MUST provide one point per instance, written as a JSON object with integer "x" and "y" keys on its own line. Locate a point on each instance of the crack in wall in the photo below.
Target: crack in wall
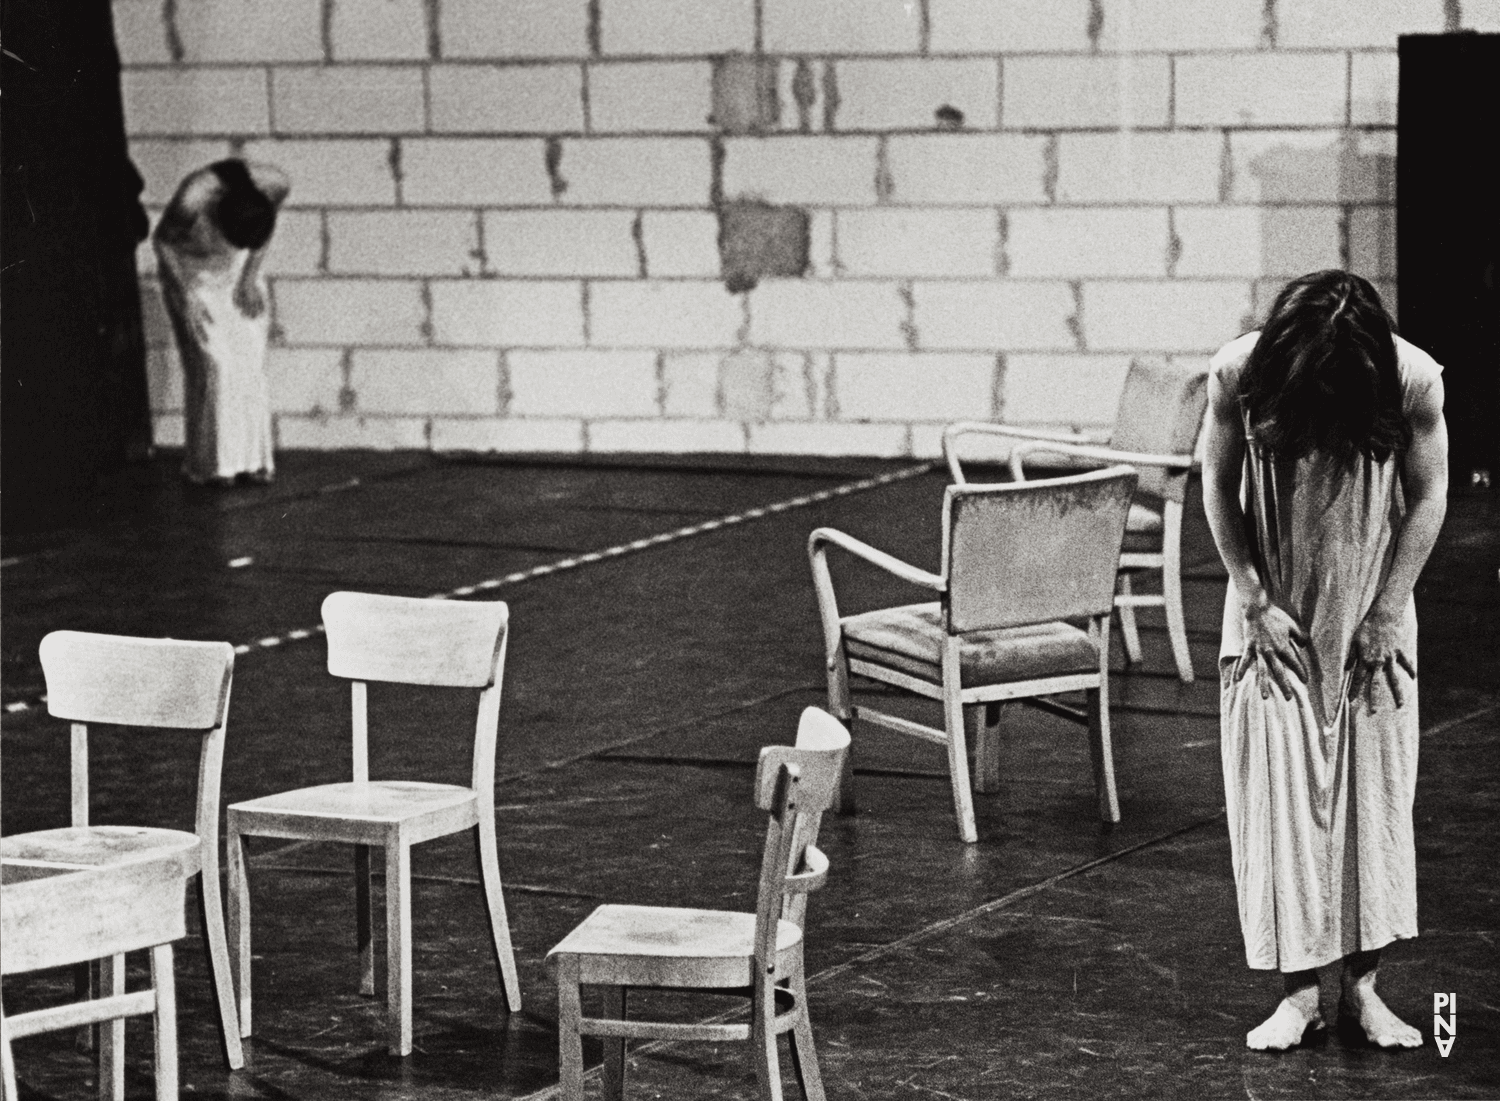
{"x": 742, "y": 334}
{"x": 997, "y": 387}
{"x": 1075, "y": 319}
{"x": 1002, "y": 242}
{"x": 804, "y": 94}
{"x": 434, "y": 30}
{"x": 760, "y": 26}
{"x": 426, "y": 327}
{"x": 1174, "y": 243}
{"x": 885, "y": 185}
{"x": 553, "y": 156}
{"x": 830, "y": 96}
{"x": 586, "y": 98}
{"x": 924, "y": 26}
{"x": 1270, "y": 27}
{"x": 1453, "y": 16}
{"x": 638, "y": 235}
{"x": 393, "y": 159}
{"x": 325, "y": 242}
{"x": 810, "y": 385}
{"x": 586, "y": 308}
{"x": 1051, "y": 168}
{"x": 175, "y": 48}
{"x": 716, "y": 155}
{"x": 504, "y": 395}
{"x": 1226, "y": 170}
{"x": 1346, "y": 249}
{"x": 595, "y": 18}
{"x": 325, "y": 29}
{"x": 348, "y": 399}
{"x": 481, "y": 247}
{"x": 1096, "y": 24}
{"x": 661, "y": 384}
{"x": 830, "y": 390}
{"x": 909, "y": 315}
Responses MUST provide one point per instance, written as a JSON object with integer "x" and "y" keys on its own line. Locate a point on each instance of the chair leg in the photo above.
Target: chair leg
{"x": 958, "y": 750}
{"x": 216, "y": 946}
{"x": 1171, "y": 587}
{"x": 569, "y": 1036}
{"x": 398, "y": 944}
{"x": 8, "y": 1089}
{"x": 614, "y": 1047}
{"x": 86, "y": 989}
{"x": 987, "y": 750}
{"x": 239, "y": 922}
{"x": 804, "y": 1054}
{"x": 112, "y": 1033}
{"x": 1128, "y": 630}
{"x": 763, "y": 1040}
{"x": 841, "y": 707}
{"x": 1100, "y": 747}
{"x": 163, "y": 982}
{"x": 494, "y": 899}
{"x": 364, "y": 928}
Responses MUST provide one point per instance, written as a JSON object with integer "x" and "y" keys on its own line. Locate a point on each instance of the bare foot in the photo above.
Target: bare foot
{"x": 1284, "y": 1028}
{"x": 1382, "y": 1027}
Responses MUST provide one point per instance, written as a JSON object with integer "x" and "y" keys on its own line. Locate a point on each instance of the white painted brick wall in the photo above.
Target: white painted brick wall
{"x": 1180, "y": 316}
{"x": 924, "y": 386}
{"x": 378, "y": 30}
{"x": 1373, "y": 79}
{"x": 348, "y": 99}
{"x": 195, "y": 101}
{"x": 251, "y": 30}
{"x": 1059, "y": 242}
{"x": 1020, "y": 26}
{"x": 1372, "y": 241}
{"x": 1250, "y": 241}
{"x": 650, "y": 96}
{"x": 790, "y": 313}
{"x": 953, "y": 242}
{"x": 888, "y": 441}
{"x": 800, "y": 383}
{"x": 795, "y": 169}
{"x": 1063, "y": 92}
{"x": 507, "y": 313}
{"x": 1081, "y": 391}
{"x": 297, "y": 246}
{"x": 332, "y": 171}
{"x": 690, "y": 384}
{"x": 352, "y": 433}
{"x": 835, "y": 26}
{"x": 163, "y": 164}
{"x": 1337, "y": 23}
{"x": 406, "y": 242}
{"x": 1311, "y": 166}
{"x": 140, "y": 32}
{"x": 677, "y": 437}
{"x": 582, "y": 383}
{"x": 561, "y": 242}
{"x": 1140, "y": 167}
{"x": 499, "y": 99}
{"x": 640, "y": 314}
{"x": 680, "y": 243}
{"x": 677, "y": 26}
{"x": 426, "y": 381}
{"x": 475, "y": 172}
{"x": 349, "y": 311}
{"x": 516, "y": 28}
{"x": 967, "y": 168}
{"x": 1175, "y": 25}
{"x": 636, "y": 172}
{"x": 508, "y": 434}
{"x": 1304, "y": 89}
{"x": 305, "y": 380}
{"x": 1480, "y": 15}
{"x": 904, "y": 94}
{"x": 1020, "y": 315}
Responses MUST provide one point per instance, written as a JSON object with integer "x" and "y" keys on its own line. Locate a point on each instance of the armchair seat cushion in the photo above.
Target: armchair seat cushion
{"x": 910, "y": 638}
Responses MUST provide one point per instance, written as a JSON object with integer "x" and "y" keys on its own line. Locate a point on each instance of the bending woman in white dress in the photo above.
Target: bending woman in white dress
{"x": 210, "y": 242}
{"x": 1325, "y": 486}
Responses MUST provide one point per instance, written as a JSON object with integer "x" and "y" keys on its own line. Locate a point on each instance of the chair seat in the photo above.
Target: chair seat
{"x": 382, "y": 802}
{"x": 668, "y": 946}
{"x": 1143, "y": 519}
{"x": 103, "y": 846}
{"x": 910, "y": 638}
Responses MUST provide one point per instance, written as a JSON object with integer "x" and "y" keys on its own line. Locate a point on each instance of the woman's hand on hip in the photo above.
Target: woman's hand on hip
{"x": 1273, "y": 641}
{"x": 1374, "y": 654}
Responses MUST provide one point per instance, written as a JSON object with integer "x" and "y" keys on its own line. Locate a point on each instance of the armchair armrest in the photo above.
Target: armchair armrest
{"x": 828, "y": 610}
{"x": 989, "y": 428}
{"x": 1087, "y": 451}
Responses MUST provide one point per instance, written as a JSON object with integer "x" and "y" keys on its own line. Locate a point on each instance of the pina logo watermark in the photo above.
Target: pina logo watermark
{"x": 1442, "y": 1024}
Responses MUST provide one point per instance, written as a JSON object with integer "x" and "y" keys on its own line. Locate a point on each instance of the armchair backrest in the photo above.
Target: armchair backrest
{"x": 1161, "y": 413}
{"x": 1017, "y": 553}
{"x": 140, "y": 682}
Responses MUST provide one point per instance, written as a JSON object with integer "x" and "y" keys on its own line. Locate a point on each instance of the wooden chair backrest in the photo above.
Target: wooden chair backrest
{"x": 151, "y": 682}
{"x": 1161, "y": 413}
{"x": 412, "y": 640}
{"x": 796, "y": 784}
{"x": 1018, "y": 553}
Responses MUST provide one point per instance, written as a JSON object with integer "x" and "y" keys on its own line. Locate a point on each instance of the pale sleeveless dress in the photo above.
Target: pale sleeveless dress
{"x": 226, "y": 399}
{"x": 1319, "y": 790}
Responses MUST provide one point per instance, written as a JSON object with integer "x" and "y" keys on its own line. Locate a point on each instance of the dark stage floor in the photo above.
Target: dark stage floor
{"x": 1053, "y": 959}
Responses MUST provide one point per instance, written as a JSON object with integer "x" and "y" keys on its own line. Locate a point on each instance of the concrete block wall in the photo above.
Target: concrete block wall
{"x": 799, "y": 226}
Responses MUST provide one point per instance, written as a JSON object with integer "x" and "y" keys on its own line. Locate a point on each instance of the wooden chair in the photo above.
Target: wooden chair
{"x": 1018, "y": 560}
{"x": 141, "y": 682}
{"x": 398, "y": 640}
{"x": 757, "y": 955}
{"x": 53, "y": 915}
{"x": 1156, "y": 428}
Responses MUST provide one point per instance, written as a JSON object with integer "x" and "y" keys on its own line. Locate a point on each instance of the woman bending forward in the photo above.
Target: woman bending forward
{"x": 1325, "y": 488}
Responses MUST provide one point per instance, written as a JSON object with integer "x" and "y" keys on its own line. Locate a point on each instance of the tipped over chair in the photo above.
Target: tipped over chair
{"x": 397, "y": 640}
{"x": 168, "y": 685}
{"x": 1017, "y": 560}
{"x": 1156, "y": 428}
{"x": 757, "y": 955}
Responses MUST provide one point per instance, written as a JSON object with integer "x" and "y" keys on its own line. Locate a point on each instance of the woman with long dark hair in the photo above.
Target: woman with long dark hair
{"x": 1325, "y": 486}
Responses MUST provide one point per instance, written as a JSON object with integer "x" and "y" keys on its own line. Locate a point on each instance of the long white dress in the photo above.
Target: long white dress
{"x": 226, "y": 399}
{"x": 1319, "y": 789}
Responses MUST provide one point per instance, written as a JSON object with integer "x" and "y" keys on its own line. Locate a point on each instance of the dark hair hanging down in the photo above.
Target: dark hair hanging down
{"x": 245, "y": 215}
{"x": 1323, "y": 374}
